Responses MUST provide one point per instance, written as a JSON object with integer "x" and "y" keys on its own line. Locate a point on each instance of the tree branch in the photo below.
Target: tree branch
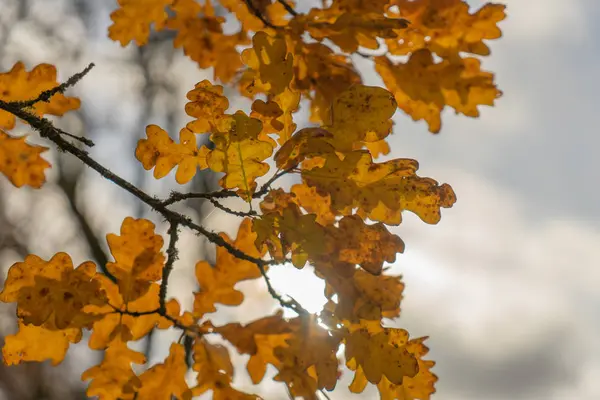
{"x": 172, "y": 255}
{"x": 49, "y": 131}
{"x": 288, "y": 7}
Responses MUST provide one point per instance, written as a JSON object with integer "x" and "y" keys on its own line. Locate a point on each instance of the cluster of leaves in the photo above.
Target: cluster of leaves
{"x": 336, "y": 219}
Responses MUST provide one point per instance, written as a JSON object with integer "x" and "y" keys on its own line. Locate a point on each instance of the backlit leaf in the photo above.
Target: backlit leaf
{"x": 21, "y": 162}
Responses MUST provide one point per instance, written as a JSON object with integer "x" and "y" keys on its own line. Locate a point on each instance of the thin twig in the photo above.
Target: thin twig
{"x": 221, "y": 194}
{"x": 228, "y": 210}
{"x": 288, "y": 7}
{"x": 48, "y": 131}
{"x": 172, "y": 255}
{"x": 46, "y": 96}
{"x": 256, "y": 12}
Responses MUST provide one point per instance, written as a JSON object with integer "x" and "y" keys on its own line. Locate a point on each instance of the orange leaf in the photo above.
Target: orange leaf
{"x": 239, "y": 152}
{"x": 380, "y": 352}
{"x": 161, "y": 153}
{"x": 168, "y": 379}
{"x": 132, "y": 20}
{"x": 217, "y": 284}
{"x": 446, "y": 27}
{"x": 53, "y": 293}
{"x": 19, "y": 85}
{"x": 38, "y": 343}
{"x": 138, "y": 257}
{"x": 424, "y": 88}
{"x": 135, "y": 326}
{"x": 380, "y": 191}
{"x": 113, "y": 378}
{"x": 21, "y": 162}
{"x": 269, "y": 56}
{"x": 215, "y": 372}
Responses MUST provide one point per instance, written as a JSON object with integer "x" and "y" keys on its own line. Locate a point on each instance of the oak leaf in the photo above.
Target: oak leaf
{"x": 138, "y": 257}
{"x": 239, "y": 152}
{"x": 113, "y": 378}
{"x": 38, "y": 343}
{"x": 420, "y": 386}
{"x": 366, "y": 245}
{"x": 166, "y": 379}
{"x": 132, "y": 20}
{"x": 20, "y": 85}
{"x": 217, "y": 283}
{"x": 309, "y": 362}
{"x": 21, "y": 162}
{"x": 215, "y": 372}
{"x": 269, "y": 56}
{"x": 446, "y": 27}
{"x": 423, "y": 88}
{"x": 116, "y": 320}
{"x": 160, "y": 152}
{"x": 207, "y": 104}
{"x": 259, "y": 339}
{"x": 380, "y": 352}
{"x": 53, "y": 292}
{"x": 380, "y": 190}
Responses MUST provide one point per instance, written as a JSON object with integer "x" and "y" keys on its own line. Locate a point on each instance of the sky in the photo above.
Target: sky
{"x": 506, "y": 285}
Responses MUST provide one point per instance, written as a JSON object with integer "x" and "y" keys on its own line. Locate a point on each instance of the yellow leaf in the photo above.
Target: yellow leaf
{"x": 270, "y": 57}
{"x": 21, "y": 162}
{"x": 380, "y": 191}
{"x": 380, "y": 352}
{"x": 217, "y": 284}
{"x": 215, "y": 372}
{"x": 361, "y": 114}
{"x": 113, "y": 378}
{"x": 159, "y": 151}
{"x": 446, "y": 27}
{"x": 166, "y": 379}
{"x": 20, "y": 85}
{"x": 132, "y": 20}
{"x": 424, "y": 88}
{"x": 53, "y": 292}
{"x": 138, "y": 257}
{"x": 239, "y": 152}
{"x": 38, "y": 343}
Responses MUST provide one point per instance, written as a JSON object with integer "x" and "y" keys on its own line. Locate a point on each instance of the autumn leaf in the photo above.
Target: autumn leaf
{"x": 361, "y": 114}
{"x": 420, "y": 386}
{"x": 366, "y": 245}
{"x": 113, "y": 378}
{"x": 21, "y": 162}
{"x": 200, "y": 34}
{"x": 307, "y": 142}
{"x": 287, "y": 229}
{"x": 138, "y": 258}
{"x": 160, "y": 152}
{"x": 314, "y": 203}
{"x": 217, "y": 283}
{"x": 239, "y": 153}
{"x": 423, "y": 88}
{"x": 259, "y": 339}
{"x": 20, "y": 85}
{"x": 269, "y": 56}
{"x": 352, "y": 30}
{"x": 30, "y": 343}
{"x": 116, "y": 320}
{"x": 309, "y": 362}
{"x": 380, "y": 352}
{"x": 132, "y": 20}
{"x": 208, "y": 105}
{"x": 53, "y": 292}
{"x": 166, "y": 379}
{"x": 380, "y": 190}
{"x": 446, "y": 27}
{"x": 215, "y": 372}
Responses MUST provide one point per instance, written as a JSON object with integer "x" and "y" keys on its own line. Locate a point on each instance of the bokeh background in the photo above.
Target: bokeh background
{"x": 506, "y": 285}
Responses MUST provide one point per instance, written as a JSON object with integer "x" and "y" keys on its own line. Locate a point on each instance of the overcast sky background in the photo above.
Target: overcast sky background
{"x": 506, "y": 285}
